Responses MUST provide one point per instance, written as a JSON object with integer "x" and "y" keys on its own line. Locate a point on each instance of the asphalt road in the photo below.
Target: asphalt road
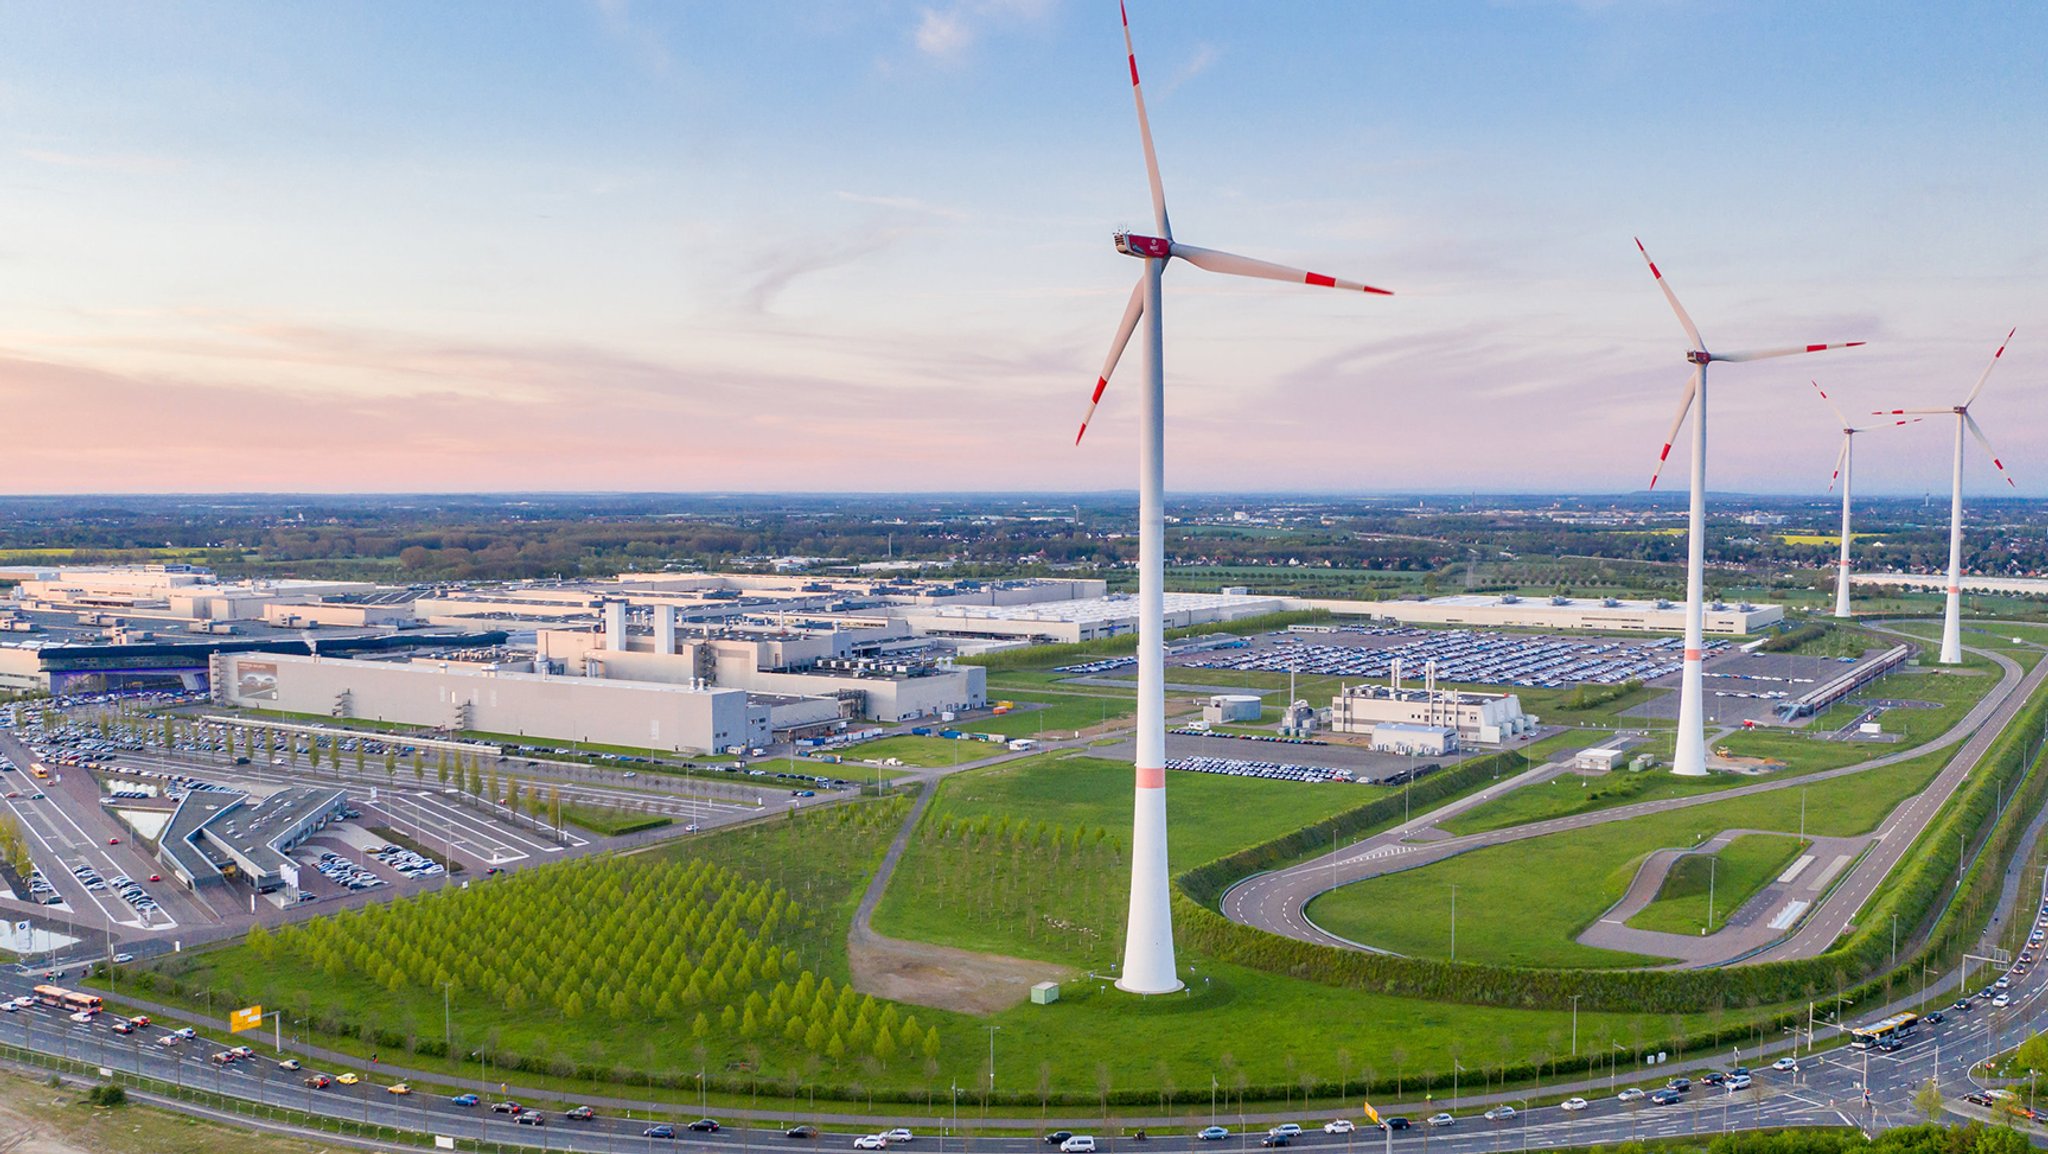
{"x": 1276, "y": 902}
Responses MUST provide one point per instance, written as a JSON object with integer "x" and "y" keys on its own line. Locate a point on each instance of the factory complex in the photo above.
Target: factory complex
{"x": 685, "y": 662}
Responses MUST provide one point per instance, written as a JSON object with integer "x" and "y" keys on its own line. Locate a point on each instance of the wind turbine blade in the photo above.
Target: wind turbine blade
{"x": 1145, "y": 132}
{"x": 1840, "y": 455}
{"x": 1906, "y": 412}
{"x": 1132, "y": 311}
{"x": 1231, "y": 264}
{"x": 1831, "y": 403}
{"x": 1986, "y": 375}
{"x": 1692, "y": 388}
{"x": 1692, "y": 331}
{"x": 1786, "y": 351}
{"x": 1988, "y": 450}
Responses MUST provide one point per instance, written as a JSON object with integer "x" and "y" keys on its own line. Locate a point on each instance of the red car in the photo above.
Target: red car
{"x": 113, "y": 841}
{"x": 155, "y": 877}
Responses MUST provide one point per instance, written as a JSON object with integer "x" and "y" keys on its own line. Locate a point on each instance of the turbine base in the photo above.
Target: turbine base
{"x": 1175, "y": 988}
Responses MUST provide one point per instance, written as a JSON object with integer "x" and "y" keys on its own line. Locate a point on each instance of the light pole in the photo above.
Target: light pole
{"x": 1712, "y": 861}
{"x": 1454, "y": 926}
{"x": 1575, "y": 1025}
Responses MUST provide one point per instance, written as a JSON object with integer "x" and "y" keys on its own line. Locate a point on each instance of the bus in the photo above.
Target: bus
{"x": 1899, "y": 1026}
{"x": 70, "y": 1001}
{"x": 36, "y": 768}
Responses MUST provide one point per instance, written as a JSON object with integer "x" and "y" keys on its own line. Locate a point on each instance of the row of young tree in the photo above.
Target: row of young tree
{"x": 1058, "y": 884}
{"x": 627, "y": 939}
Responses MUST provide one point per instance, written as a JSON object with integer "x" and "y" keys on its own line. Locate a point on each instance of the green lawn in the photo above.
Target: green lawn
{"x": 1703, "y": 889}
{"x": 925, "y": 752}
{"x": 1526, "y": 902}
{"x": 610, "y": 821}
{"x": 1054, "y": 714}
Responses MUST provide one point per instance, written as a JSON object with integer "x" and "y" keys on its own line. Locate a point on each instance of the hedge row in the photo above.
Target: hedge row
{"x": 1922, "y": 892}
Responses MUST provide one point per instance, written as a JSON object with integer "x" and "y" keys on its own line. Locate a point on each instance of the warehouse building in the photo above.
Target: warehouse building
{"x": 1082, "y": 619}
{"x": 218, "y": 833}
{"x": 685, "y": 717}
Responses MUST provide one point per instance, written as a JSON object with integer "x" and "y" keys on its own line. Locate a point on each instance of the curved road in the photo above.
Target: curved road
{"x": 1276, "y": 902}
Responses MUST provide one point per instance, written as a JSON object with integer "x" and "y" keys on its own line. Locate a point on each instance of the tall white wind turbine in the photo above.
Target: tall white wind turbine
{"x": 1845, "y": 463}
{"x": 1952, "y": 616}
{"x": 1148, "y": 965}
{"x": 1690, "y": 757}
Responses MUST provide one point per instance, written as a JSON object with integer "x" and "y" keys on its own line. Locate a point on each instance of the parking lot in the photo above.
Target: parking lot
{"x": 1462, "y": 656}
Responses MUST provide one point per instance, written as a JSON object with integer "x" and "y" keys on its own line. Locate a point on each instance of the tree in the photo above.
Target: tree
{"x": 931, "y": 1043}
{"x": 700, "y": 1028}
{"x": 1928, "y": 1101}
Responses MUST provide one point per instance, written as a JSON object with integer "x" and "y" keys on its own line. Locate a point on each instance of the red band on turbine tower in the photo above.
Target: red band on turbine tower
{"x": 1692, "y": 655}
{"x": 1151, "y": 778}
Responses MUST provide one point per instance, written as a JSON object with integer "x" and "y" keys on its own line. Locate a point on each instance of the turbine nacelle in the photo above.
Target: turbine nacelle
{"x": 1698, "y": 356}
{"x": 1144, "y": 247}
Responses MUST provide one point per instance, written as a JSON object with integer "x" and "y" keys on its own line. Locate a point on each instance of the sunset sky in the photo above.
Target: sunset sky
{"x": 865, "y": 245}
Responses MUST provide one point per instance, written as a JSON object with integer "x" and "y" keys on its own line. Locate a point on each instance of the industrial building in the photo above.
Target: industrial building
{"x": 1509, "y": 611}
{"x": 1232, "y": 708}
{"x": 218, "y": 833}
{"x": 1414, "y": 740}
{"x": 167, "y": 592}
{"x": 1482, "y": 718}
{"x": 878, "y": 672}
{"x": 682, "y": 717}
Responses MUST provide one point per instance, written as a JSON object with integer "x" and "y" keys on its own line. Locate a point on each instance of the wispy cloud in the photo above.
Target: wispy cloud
{"x": 1205, "y": 57}
{"x": 943, "y": 35}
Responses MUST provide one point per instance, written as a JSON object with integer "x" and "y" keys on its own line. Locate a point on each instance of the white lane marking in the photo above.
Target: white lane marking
{"x": 1821, "y": 879}
{"x": 1797, "y": 867}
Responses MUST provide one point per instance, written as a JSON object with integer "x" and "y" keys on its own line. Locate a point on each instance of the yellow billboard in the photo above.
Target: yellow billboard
{"x": 246, "y": 1018}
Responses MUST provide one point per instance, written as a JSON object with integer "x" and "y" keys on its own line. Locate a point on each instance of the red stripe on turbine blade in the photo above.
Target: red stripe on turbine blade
{"x": 1665, "y": 453}
{"x": 1134, "y": 72}
{"x": 1316, "y": 278}
{"x": 1101, "y": 383}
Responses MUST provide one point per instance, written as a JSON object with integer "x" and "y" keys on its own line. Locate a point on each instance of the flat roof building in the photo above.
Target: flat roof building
{"x": 1607, "y": 614}
{"x": 218, "y": 833}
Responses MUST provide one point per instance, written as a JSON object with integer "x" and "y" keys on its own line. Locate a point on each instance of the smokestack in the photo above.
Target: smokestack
{"x": 664, "y": 629}
{"x": 615, "y": 626}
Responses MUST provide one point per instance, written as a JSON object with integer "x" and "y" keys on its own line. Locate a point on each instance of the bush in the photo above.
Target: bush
{"x": 106, "y": 1095}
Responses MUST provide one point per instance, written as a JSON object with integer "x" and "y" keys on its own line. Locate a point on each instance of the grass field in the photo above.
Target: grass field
{"x": 924, "y": 752}
{"x": 611, "y": 822}
{"x": 61, "y": 1122}
{"x": 1702, "y": 890}
{"x": 1056, "y": 714}
{"x": 1524, "y": 903}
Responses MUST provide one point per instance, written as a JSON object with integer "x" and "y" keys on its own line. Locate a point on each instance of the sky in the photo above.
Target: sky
{"x": 865, "y": 245}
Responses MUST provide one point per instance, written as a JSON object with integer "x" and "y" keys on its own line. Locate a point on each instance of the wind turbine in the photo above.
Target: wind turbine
{"x": 1690, "y": 757}
{"x": 1148, "y": 965}
{"x": 1952, "y": 617}
{"x": 1845, "y": 462}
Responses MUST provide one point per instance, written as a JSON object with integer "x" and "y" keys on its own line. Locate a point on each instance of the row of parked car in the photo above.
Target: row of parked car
{"x": 131, "y": 891}
{"x": 407, "y": 862}
{"x": 339, "y": 869}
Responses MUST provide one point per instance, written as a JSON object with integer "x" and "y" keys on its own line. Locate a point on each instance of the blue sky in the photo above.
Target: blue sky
{"x": 865, "y": 246}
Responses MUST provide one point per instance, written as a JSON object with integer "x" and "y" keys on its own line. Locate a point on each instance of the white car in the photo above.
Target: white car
{"x": 1572, "y": 1104}
{"x": 186, "y": 1032}
{"x": 1286, "y": 1129}
{"x": 1338, "y": 1126}
{"x": 1078, "y": 1144}
{"x": 1500, "y": 1113}
{"x": 1737, "y": 1082}
{"x": 2002, "y": 1001}
{"x": 83, "y": 1017}
{"x": 1442, "y": 1120}
{"x": 1786, "y": 1065}
{"x": 1632, "y": 1094}
{"x": 13, "y": 1004}
{"x": 871, "y": 1142}
{"x": 899, "y": 1134}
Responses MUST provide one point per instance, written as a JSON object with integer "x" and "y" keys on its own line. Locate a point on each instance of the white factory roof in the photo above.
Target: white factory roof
{"x": 1115, "y": 607}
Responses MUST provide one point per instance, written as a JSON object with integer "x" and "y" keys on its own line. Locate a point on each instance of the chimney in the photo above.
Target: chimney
{"x": 664, "y": 629}
{"x": 615, "y": 626}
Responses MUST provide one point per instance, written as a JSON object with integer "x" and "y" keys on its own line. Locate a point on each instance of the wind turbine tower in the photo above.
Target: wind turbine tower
{"x": 1952, "y": 615}
{"x": 1148, "y": 965}
{"x": 1689, "y": 759}
{"x": 1845, "y": 461}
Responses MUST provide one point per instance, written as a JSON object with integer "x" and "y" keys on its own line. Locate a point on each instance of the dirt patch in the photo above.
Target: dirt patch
{"x": 942, "y": 977}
